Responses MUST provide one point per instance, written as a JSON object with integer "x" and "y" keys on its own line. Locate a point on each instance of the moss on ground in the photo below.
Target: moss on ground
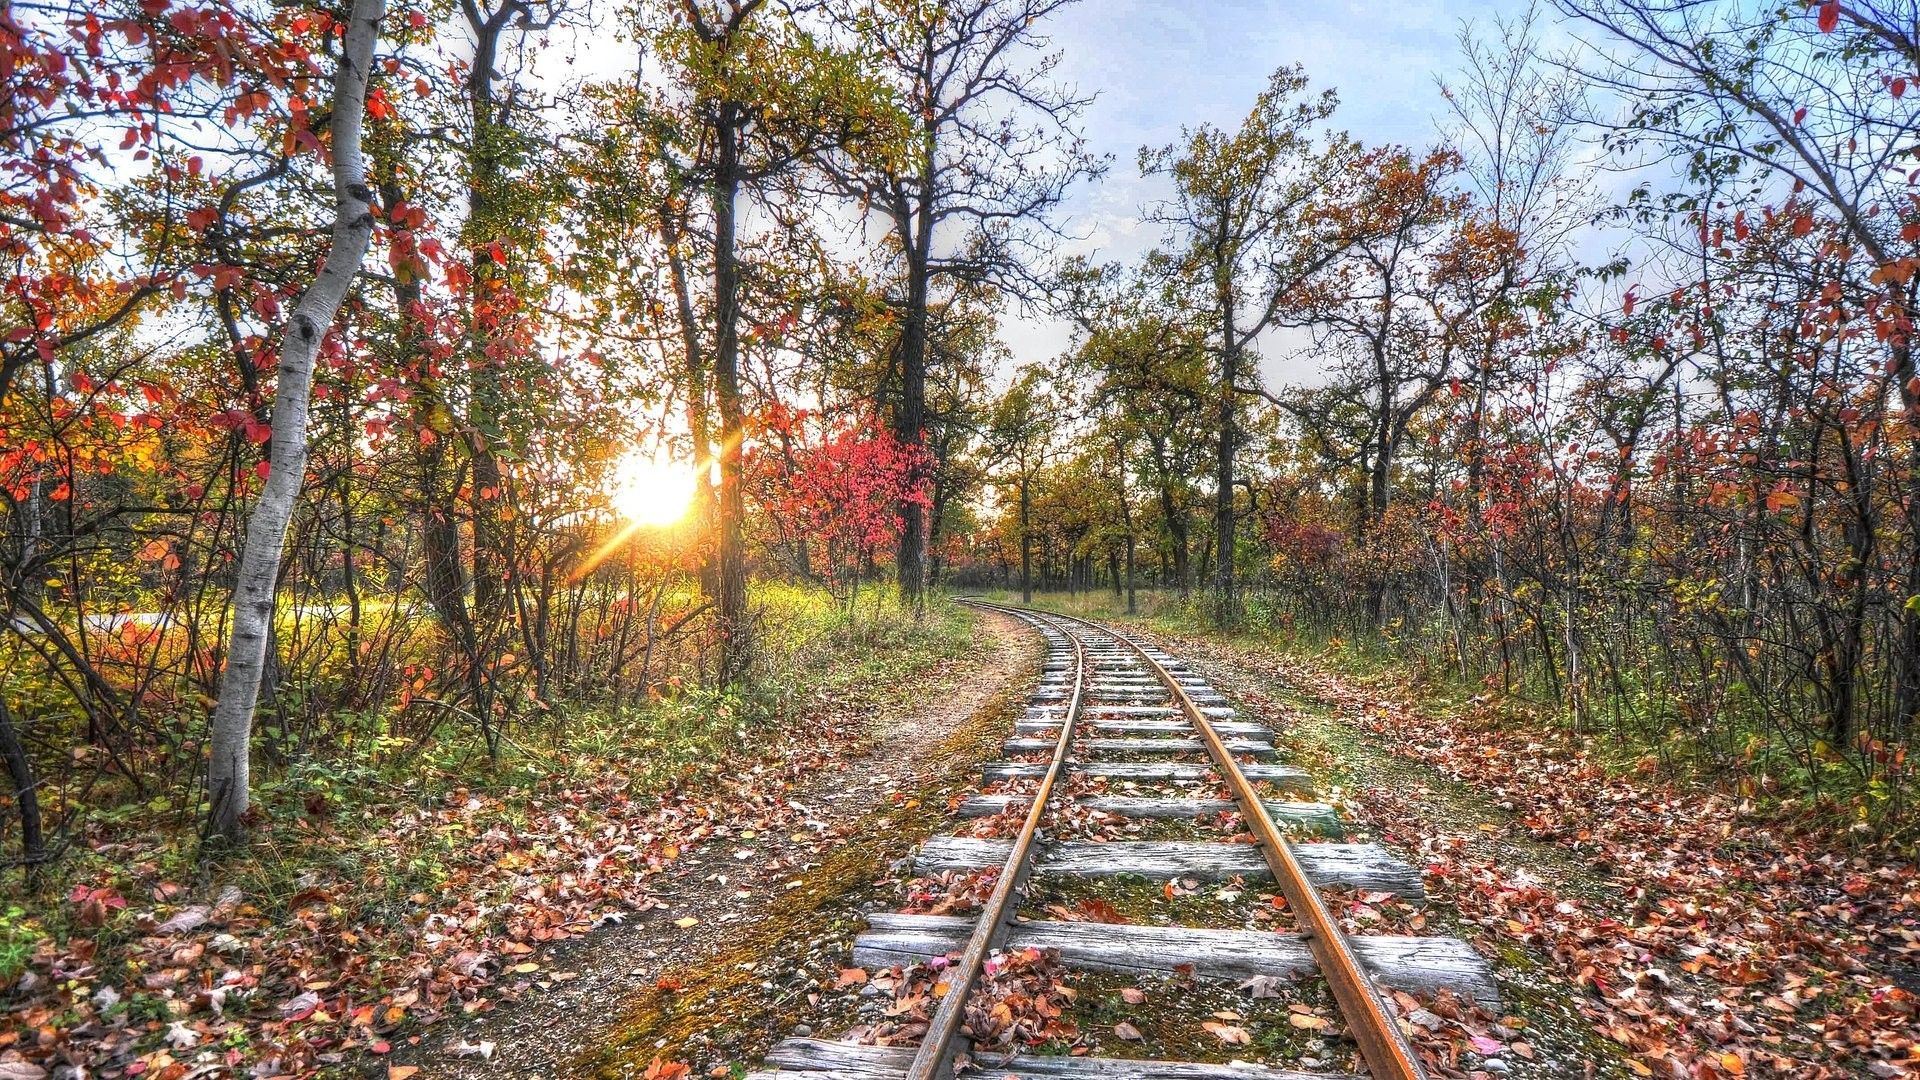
{"x": 728, "y": 1008}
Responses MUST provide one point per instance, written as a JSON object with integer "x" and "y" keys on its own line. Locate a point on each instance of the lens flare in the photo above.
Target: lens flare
{"x": 652, "y": 490}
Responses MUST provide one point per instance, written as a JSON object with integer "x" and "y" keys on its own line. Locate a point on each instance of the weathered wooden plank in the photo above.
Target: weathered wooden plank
{"x": 850, "y": 1061}
{"x": 1318, "y": 816}
{"x": 1360, "y": 866}
{"x": 1152, "y": 710}
{"x": 1143, "y": 746}
{"x": 1142, "y": 727}
{"x": 1398, "y": 961}
{"x": 1254, "y": 747}
{"x": 1283, "y": 775}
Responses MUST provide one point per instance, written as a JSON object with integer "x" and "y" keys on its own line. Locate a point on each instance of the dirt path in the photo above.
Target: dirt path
{"x": 746, "y": 885}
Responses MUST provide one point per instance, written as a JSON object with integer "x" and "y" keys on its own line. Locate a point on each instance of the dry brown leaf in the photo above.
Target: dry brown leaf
{"x": 1231, "y": 1034}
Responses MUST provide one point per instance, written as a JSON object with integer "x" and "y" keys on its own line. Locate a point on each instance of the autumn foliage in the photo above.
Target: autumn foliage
{"x": 831, "y": 492}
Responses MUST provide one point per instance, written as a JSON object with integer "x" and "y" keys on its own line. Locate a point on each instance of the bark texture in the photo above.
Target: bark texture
{"x": 229, "y": 770}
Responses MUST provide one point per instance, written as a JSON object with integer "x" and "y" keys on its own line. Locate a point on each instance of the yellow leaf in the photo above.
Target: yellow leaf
{"x": 685, "y": 921}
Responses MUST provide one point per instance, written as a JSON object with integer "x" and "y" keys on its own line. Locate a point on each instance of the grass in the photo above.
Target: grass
{"x": 332, "y": 815}
{"x": 718, "y": 1011}
{"x": 1628, "y": 730}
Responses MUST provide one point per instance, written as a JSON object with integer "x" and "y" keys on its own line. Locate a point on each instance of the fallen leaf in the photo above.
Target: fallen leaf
{"x": 184, "y": 920}
{"x": 1262, "y": 986}
{"x": 1230, "y": 1034}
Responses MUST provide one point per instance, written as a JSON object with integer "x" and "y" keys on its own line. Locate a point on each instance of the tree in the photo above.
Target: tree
{"x": 761, "y": 98}
{"x": 1147, "y": 365}
{"x": 971, "y": 193}
{"x": 1241, "y": 237}
{"x": 1019, "y": 437}
{"x": 1390, "y": 308}
{"x": 1793, "y": 115}
{"x": 835, "y": 498}
{"x": 254, "y": 609}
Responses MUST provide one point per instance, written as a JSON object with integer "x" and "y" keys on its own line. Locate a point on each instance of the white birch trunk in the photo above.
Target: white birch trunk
{"x": 253, "y": 592}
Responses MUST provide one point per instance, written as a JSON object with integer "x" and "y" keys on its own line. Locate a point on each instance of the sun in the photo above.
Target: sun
{"x": 652, "y": 489}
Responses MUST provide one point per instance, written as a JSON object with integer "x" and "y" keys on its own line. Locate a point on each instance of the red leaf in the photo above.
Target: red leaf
{"x": 1829, "y": 16}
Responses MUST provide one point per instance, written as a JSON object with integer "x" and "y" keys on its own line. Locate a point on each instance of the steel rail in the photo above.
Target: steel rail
{"x": 1383, "y": 1045}
{"x": 934, "y": 1059}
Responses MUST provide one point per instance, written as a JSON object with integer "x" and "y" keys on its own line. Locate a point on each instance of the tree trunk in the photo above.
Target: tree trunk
{"x": 696, "y": 393}
{"x": 491, "y": 560}
{"x": 1176, "y": 540}
{"x": 1026, "y": 548}
{"x": 910, "y": 418}
{"x": 446, "y": 584}
{"x": 1223, "y": 524}
{"x": 730, "y": 569}
{"x": 26, "y": 789}
{"x": 936, "y": 511}
{"x": 228, "y": 771}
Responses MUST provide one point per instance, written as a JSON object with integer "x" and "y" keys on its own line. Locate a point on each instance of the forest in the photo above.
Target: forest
{"x": 398, "y": 412}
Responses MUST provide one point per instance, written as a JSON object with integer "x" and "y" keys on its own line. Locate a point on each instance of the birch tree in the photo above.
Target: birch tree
{"x": 228, "y": 772}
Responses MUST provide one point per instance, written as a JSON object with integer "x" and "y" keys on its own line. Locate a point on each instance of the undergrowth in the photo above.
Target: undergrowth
{"x": 1627, "y": 727}
{"x": 331, "y": 814}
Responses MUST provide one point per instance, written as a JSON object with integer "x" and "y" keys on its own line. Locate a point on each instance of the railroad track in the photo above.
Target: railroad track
{"x": 1109, "y": 719}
